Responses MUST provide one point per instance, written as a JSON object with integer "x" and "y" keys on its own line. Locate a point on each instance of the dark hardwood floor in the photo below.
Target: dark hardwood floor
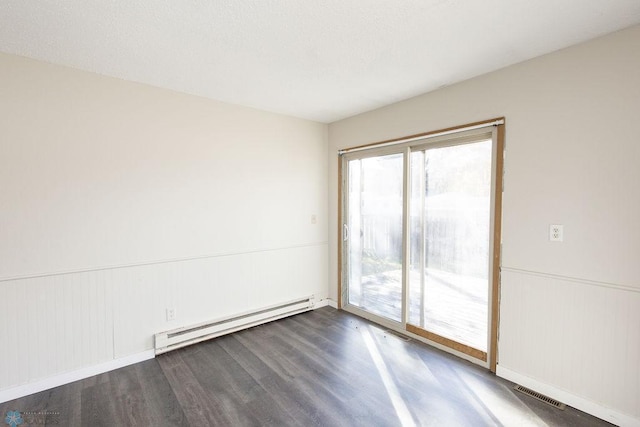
{"x": 325, "y": 368}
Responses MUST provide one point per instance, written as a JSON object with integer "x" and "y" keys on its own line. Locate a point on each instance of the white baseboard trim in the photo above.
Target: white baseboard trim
{"x": 325, "y": 302}
{"x": 69, "y": 377}
{"x": 570, "y": 399}
{"x": 319, "y": 304}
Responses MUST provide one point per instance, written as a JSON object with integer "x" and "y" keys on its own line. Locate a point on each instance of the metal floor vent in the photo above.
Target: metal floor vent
{"x": 541, "y": 397}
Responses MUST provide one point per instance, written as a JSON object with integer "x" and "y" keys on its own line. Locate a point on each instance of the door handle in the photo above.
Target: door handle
{"x": 345, "y": 232}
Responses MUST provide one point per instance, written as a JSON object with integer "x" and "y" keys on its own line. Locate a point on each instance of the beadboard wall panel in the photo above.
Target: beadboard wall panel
{"x": 60, "y": 323}
{"x": 584, "y": 339}
{"x": 54, "y": 324}
{"x": 206, "y": 289}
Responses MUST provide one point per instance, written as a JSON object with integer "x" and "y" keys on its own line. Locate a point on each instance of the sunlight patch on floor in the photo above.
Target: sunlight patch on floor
{"x": 396, "y": 399}
{"x": 509, "y": 411}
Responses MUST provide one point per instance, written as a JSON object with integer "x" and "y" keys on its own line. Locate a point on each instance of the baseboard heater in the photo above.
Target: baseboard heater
{"x": 181, "y": 337}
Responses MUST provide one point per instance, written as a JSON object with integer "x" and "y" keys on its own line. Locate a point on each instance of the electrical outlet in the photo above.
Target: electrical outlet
{"x": 556, "y": 233}
{"x": 314, "y": 219}
{"x": 171, "y": 314}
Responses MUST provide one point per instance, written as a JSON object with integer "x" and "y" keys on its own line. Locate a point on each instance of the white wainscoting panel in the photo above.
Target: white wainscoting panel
{"x": 54, "y": 324}
{"x": 209, "y": 288}
{"x": 580, "y": 337}
{"x": 58, "y": 324}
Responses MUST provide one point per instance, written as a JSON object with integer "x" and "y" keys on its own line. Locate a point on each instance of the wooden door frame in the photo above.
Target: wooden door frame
{"x": 493, "y": 329}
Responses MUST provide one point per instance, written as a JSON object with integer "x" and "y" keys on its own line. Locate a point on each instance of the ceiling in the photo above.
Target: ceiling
{"x": 322, "y": 60}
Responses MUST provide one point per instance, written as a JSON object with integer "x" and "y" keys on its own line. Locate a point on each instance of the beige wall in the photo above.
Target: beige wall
{"x": 570, "y": 311}
{"x": 119, "y": 200}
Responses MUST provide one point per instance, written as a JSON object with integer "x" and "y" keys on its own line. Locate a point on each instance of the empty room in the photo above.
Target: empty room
{"x": 329, "y": 213}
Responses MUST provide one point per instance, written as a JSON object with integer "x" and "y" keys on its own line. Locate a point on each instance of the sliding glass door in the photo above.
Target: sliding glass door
{"x": 418, "y": 237}
{"x": 450, "y": 242}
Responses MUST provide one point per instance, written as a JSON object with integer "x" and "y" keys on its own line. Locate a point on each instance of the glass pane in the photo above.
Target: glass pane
{"x": 375, "y": 235}
{"x": 450, "y": 235}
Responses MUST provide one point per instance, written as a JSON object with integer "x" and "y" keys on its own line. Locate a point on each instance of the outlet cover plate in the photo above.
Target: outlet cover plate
{"x": 556, "y": 233}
